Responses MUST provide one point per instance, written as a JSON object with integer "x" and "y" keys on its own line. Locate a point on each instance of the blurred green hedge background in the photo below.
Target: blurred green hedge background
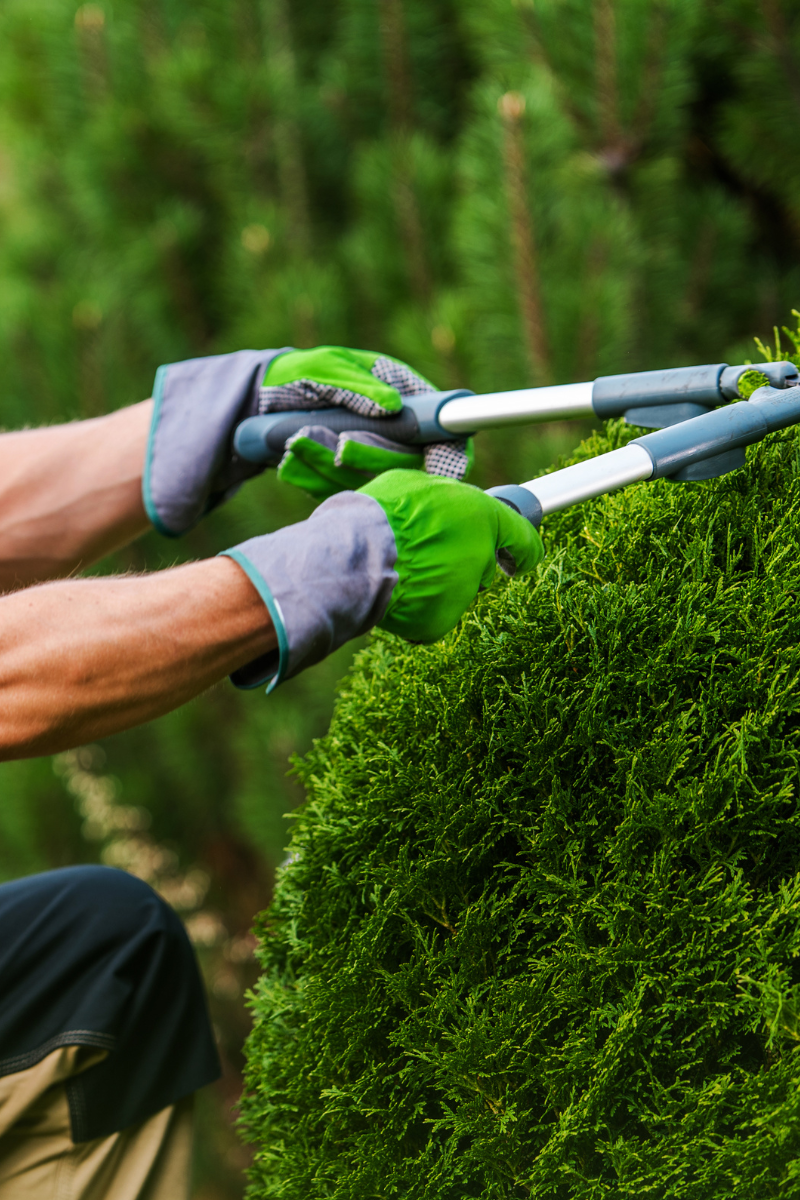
{"x": 502, "y": 192}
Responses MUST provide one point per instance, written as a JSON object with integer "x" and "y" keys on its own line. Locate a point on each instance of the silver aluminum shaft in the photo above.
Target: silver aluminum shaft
{"x": 467, "y": 414}
{"x": 592, "y": 478}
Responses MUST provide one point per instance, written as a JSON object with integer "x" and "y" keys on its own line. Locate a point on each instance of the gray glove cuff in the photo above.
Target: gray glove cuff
{"x": 190, "y": 467}
{"x": 325, "y": 580}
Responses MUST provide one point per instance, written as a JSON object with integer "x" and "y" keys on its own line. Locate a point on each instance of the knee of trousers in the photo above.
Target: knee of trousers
{"x": 76, "y": 918}
{"x": 93, "y": 956}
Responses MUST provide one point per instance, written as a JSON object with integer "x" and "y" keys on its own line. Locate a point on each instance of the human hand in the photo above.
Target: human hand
{"x": 408, "y": 552}
{"x": 371, "y": 385}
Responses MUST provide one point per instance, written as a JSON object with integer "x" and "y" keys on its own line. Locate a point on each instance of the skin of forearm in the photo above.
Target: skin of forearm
{"x": 82, "y": 659}
{"x": 70, "y": 494}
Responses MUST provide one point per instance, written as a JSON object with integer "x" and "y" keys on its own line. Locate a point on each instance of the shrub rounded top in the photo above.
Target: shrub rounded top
{"x": 539, "y": 934}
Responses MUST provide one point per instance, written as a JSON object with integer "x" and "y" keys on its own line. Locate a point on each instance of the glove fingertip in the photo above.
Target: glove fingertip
{"x": 506, "y": 561}
{"x": 520, "y": 540}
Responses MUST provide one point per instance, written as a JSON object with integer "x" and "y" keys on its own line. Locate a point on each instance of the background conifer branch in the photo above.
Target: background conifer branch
{"x": 400, "y": 106}
{"x": 511, "y": 107}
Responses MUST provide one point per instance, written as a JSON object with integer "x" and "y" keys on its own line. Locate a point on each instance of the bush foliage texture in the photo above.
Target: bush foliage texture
{"x": 539, "y": 934}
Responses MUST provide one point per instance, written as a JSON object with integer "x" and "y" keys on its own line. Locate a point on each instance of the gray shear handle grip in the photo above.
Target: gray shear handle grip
{"x": 613, "y": 394}
{"x": 520, "y": 499}
{"x": 720, "y": 431}
{"x": 263, "y": 439}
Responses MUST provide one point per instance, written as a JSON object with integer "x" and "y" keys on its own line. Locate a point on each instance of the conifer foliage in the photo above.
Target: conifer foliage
{"x": 501, "y": 192}
{"x": 540, "y": 931}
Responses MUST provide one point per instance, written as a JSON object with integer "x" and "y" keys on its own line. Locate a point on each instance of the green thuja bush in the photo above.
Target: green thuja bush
{"x": 539, "y": 933}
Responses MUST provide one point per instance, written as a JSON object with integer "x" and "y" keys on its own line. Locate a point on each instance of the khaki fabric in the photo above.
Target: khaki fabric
{"x": 39, "y": 1160}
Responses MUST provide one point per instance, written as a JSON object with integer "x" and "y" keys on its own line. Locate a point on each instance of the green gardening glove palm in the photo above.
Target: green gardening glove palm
{"x": 450, "y": 538}
{"x": 366, "y": 383}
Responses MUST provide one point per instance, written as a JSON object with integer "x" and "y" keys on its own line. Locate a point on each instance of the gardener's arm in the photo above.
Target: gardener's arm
{"x": 70, "y": 494}
{"x": 81, "y": 659}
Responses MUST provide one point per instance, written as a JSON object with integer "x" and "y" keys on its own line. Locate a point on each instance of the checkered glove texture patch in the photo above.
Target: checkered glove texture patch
{"x": 447, "y": 458}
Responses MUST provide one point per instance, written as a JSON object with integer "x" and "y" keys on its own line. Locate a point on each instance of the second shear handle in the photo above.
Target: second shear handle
{"x": 675, "y": 453}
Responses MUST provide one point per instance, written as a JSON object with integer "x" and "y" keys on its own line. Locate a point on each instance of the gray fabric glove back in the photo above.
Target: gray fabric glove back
{"x": 190, "y": 467}
{"x": 325, "y": 580}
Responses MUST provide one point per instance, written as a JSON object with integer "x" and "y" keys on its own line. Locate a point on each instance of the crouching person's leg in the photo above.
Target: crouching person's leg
{"x": 39, "y": 1160}
{"x": 104, "y": 1038}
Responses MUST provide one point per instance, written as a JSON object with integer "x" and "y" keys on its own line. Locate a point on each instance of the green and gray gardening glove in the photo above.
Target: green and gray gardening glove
{"x": 368, "y": 384}
{"x": 191, "y": 465}
{"x": 408, "y": 552}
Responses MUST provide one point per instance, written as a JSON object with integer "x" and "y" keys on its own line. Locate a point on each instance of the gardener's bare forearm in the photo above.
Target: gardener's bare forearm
{"x": 70, "y": 494}
{"x": 81, "y": 659}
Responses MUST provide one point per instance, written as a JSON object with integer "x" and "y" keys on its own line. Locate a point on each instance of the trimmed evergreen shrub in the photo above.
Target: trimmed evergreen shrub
{"x": 539, "y": 935}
